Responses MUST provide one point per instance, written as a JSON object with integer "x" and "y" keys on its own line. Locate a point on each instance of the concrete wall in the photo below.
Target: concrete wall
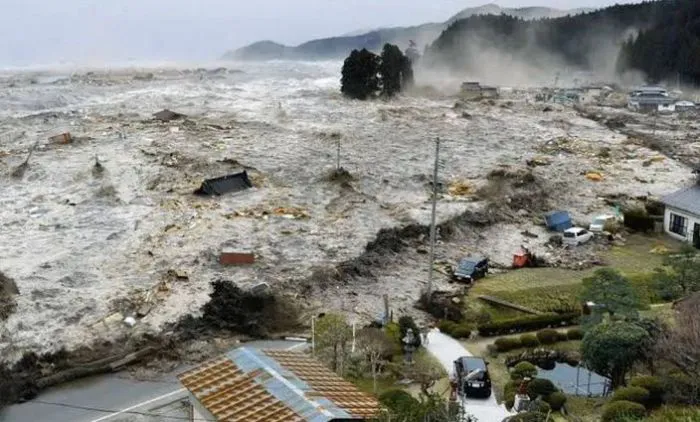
{"x": 692, "y": 220}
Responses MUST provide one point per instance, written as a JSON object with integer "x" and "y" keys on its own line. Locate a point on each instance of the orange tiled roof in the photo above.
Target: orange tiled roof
{"x": 274, "y": 385}
{"x": 343, "y": 393}
{"x": 232, "y": 396}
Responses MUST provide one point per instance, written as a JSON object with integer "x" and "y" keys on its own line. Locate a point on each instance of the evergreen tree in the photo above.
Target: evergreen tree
{"x": 390, "y": 70}
{"x": 359, "y": 76}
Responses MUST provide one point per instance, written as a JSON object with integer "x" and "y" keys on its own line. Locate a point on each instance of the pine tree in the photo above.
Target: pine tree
{"x": 359, "y": 75}
{"x": 391, "y": 69}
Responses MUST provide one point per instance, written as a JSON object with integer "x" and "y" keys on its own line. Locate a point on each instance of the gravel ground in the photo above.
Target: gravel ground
{"x": 82, "y": 245}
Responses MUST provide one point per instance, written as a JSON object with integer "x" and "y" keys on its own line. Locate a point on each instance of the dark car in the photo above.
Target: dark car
{"x": 473, "y": 377}
{"x": 470, "y": 269}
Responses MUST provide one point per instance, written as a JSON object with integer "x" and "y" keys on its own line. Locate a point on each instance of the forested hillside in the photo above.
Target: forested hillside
{"x": 590, "y": 41}
{"x": 670, "y": 49}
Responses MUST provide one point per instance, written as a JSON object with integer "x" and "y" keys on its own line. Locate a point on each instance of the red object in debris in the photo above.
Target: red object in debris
{"x": 520, "y": 260}
{"x": 236, "y": 258}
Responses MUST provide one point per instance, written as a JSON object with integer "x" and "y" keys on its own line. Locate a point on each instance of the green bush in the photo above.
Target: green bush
{"x": 540, "y": 387}
{"x": 574, "y": 334}
{"x": 623, "y": 411}
{"x": 562, "y": 336}
{"x": 456, "y": 330}
{"x": 506, "y": 344}
{"x": 396, "y": 398}
{"x": 557, "y": 400}
{"x": 653, "y": 385}
{"x": 547, "y": 336}
{"x": 446, "y": 326}
{"x": 492, "y": 350}
{"x": 529, "y": 417}
{"x": 633, "y": 394}
{"x": 509, "y": 391}
{"x": 529, "y": 340}
{"x": 675, "y": 414}
{"x": 543, "y": 407}
{"x": 528, "y": 323}
{"x": 523, "y": 370}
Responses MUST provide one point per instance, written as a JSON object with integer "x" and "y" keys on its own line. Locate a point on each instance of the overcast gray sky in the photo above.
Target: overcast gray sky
{"x": 49, "y": 31}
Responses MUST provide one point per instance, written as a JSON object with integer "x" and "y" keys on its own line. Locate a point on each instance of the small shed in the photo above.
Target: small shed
{"x": 226, "y": 184}
{"x": 558, "y": 221}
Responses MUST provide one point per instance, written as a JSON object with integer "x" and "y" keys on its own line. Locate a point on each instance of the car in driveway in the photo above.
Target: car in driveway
{"x": 576, "y": 236}
{"x": 470, "y": 269}
{"x": 473, "y": 377}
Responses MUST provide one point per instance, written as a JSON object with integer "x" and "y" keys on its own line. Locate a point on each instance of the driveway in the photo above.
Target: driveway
{"x": 446, "y": 350}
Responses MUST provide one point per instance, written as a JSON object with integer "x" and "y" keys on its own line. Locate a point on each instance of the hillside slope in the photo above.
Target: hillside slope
{"x": 339, "y": 47}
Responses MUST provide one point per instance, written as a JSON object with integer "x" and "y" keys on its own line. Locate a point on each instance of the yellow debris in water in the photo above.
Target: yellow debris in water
{"x": 594, "y": 176}
{"x": 660, "y": 250}
{"x": 460, "y": 188}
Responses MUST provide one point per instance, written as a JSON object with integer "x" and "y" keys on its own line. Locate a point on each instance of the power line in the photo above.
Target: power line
{"x": 120, "y": 412}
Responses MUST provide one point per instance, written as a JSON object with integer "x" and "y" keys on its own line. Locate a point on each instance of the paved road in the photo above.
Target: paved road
{"x": 114, "y": 392}
{"x": 446, "y": 350}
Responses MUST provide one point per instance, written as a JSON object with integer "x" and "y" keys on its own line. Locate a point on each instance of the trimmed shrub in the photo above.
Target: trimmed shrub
{"x": 492, "y": 350}
{"x": 653, "y": 385}
{"x": 623, "y": 411}
{"x": 543, "y": 407}
{"x": 562, "y": 336}
{"x": 529, "y": 340}
{"x": 397, "y": 399}
{"x": 574, "y": 334}
{"x": 506, "y": 344}
{"x": 633, "y": 394}
{"x": 523, "y": 370}
{"x": 540, "y": 387}
{"x": 456, "y": 330}
{"x": 529, "y": 417}
{"x": 548, "y": 336}
{"x": 446, "y": 326}
{"x": 509, "y": 391}
{"x": 528, "y": 323}
{"x": 556, "y": 400}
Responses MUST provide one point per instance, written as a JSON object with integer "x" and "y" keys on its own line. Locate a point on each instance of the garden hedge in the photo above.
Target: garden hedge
{"x": 506, "y": 344}
{"x": 548, "y": 336}
{"x": 556, "y": 400}
{"x": 634, "y": 394}
{"x": 653, "y": 385}
{"x": 529, "y": 340}
{"x": 540, "y": 387}
{"x": 574, "y": 334}
{"x": 523, "y": 370}
{"x": 528, "y": 323}
{"x": 623, "y": 411}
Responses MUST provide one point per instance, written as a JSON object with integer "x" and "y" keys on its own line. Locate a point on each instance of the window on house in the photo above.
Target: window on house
{"x": 678, "y": 225}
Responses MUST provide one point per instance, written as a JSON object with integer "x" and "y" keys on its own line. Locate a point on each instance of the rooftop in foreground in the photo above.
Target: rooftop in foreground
{"x": 272, "y": 385}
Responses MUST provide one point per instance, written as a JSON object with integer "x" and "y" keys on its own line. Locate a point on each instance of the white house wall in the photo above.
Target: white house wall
{"x": 692, "y": 220}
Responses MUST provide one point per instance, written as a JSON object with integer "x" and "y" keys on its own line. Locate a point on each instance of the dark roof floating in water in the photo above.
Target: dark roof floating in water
{"x": 226, "y": 184}
{"x": 167, "y": 115}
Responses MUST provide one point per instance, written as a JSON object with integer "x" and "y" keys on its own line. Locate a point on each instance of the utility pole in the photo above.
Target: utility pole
{"x": 337, "y": 155}
{"x": 432, "y": 217}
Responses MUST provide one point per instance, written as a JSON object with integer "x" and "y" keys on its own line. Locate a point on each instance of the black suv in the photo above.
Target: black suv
{"x": 470, "y": 269}
{"x": 473, "y": 377}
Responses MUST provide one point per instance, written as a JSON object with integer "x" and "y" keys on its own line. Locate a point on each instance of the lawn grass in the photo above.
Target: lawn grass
{"x": 584, "y": 409}
{"x": 556, "y": 289}
{"x": 383, "y": 384}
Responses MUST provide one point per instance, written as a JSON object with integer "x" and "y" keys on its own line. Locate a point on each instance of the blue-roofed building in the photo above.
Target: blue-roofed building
{"x": 558, "y": 221}
{"x": 682, "y": 215}
{"x": 254, "y": 385}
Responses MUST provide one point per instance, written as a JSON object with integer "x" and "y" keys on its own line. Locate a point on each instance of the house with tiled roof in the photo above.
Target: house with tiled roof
{"x": 274, "y": 385}
{"x": 682, "y": 215}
